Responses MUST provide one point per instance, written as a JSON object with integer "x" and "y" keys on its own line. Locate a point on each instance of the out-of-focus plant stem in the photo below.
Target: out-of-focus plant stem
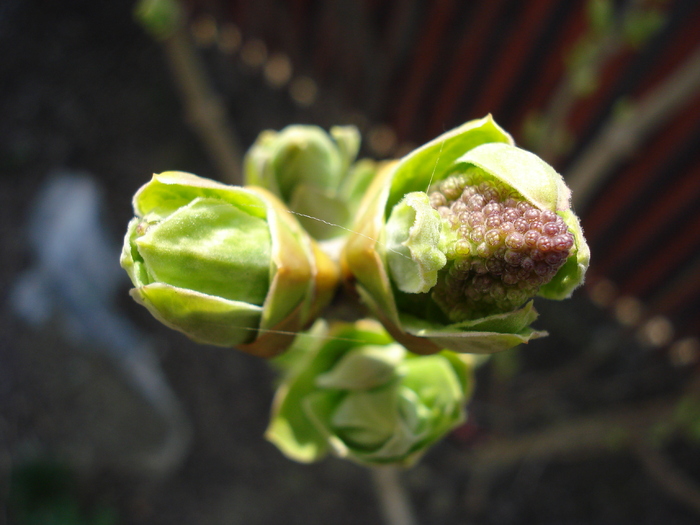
{"x": 607, "y": 36}
{"x": 564, "y": 98}
{"x": 675, "y": 482}
{"x": 621, "y": 135}
{"x": 393, "y": 499}
{"x": 630, "y": 428}
{"x": 204, "y": 109}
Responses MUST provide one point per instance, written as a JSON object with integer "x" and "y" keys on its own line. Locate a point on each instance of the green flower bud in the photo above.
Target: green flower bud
{"x": 313, "y": 173}
{"x": 161, "y": 18}
{"x": 355, "y": 392}
{"x": 226, "y": 265}
{"x": 458, "y": 236}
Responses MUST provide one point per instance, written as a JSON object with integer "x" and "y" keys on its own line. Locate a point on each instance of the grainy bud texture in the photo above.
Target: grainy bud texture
{"x": 456, "y": 238}
{"x": 499, "y": 248}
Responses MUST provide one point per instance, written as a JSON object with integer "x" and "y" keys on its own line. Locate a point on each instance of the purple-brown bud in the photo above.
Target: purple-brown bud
{"x": 502, "y": 248}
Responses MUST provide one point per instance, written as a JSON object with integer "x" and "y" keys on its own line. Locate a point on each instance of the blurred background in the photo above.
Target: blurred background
{"x": 106, "y": 417}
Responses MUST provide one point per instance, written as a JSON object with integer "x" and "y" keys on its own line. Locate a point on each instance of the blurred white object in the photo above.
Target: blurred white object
{"x": 76, "y": 274}
{"x": 75, "y": 264}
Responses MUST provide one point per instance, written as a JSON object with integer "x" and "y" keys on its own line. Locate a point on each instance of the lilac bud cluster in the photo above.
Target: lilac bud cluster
{"x": 500, "y": 248}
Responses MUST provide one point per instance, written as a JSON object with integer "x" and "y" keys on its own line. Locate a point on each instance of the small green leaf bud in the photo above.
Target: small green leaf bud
{"x": 355, "y": 392}
{"x": 161, "y": 18}
{"x": 225, "y": 265}
{"x": 313, "y": 172}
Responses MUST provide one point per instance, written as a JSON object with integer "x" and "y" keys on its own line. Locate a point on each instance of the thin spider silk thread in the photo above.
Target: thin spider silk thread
{"x": 432, "y": 175}
{"x": 349, "y": 230}
{"x": 307, "y": 334}
{"x": 442, "y": 144}
{"x": 327, "y": 337}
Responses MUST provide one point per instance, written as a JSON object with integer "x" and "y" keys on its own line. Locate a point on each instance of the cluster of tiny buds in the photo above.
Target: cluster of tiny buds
{"x": 503, "y": 248}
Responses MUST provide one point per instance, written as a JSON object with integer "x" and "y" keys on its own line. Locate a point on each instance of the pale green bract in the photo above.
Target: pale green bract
{"x": 350, "y": 389}
{"x": 413, "y": 244}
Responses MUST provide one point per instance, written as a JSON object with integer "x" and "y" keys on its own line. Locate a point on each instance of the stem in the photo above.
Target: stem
{"x": 620, "y": 137}
{"x": 204, "y": 110}
{"x": 393, "y": 499}
{"x": 671, "y": 479}
{"x": 603, "y": 432}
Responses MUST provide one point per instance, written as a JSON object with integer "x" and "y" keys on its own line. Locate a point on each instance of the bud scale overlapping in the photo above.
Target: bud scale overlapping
{"x": 454, "y": 239}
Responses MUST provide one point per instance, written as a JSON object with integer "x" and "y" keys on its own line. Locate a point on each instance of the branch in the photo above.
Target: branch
{"x": 393, "y": 499}
{"x": 587, "y": 435}
{"x": 203, "y": 108}
{"x": 621, "y": 136}
{"x": 671, "y": 479}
